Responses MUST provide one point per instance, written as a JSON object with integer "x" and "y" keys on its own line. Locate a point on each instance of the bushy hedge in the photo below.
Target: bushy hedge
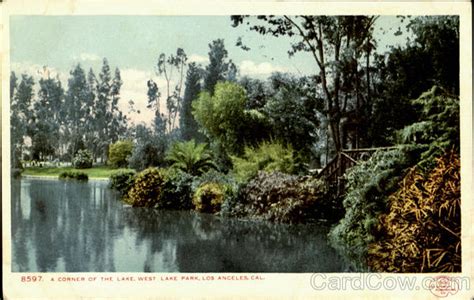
{"x": 122, "y": 180}
{"x": 82, "y": 160}
{"x": 282, "y": 197}
{"x": 422, "y": 230}
{"x": 147, "y": 187}
{"x": 75, "y": 175}
{"x": 158, "y": 188}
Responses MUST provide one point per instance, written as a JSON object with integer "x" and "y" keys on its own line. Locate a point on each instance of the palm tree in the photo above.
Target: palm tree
{"x": 190, "y": 157}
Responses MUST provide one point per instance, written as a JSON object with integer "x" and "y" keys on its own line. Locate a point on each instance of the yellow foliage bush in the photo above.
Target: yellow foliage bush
{"x": 422, "y": 230}
{"x": 147, "y": 187}
{"x": 209, "y": 197}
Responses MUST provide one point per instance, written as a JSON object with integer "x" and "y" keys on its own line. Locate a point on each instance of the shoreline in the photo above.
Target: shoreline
{"x": 53, "y": 177}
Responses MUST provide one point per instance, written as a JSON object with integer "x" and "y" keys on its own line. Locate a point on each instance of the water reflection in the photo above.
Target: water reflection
{"x": 82, "y": 227}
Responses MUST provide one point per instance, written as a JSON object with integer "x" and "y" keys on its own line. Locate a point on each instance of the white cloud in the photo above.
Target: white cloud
{"x": 198, "y": 59}
{"x": 37, "y": 71}
{"x": 250, "y": 68}
{"x": 89, "y": 57}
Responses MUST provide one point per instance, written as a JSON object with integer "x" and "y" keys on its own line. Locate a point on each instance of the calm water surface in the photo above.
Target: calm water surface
{"x": 62, "y": 226}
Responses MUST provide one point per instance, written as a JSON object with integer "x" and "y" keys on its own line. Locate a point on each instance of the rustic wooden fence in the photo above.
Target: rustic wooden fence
{"x": 333, "y": 172}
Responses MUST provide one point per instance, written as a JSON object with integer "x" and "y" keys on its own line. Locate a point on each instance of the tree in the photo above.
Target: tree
{"x": 257, "y": 92}
{"x": 165, "y": 67}
{"x": 437, "y": 37}
{"x": 47, "y": 118}
{"x": 291, "y": 111}
{"x": 437, "y": 126}
{"x": 335, "y": 44}
{"x": 103, "y": 115}
{"x": 407, "y": 71}
{"x": 92, "y": 138}
{"x": 149, "y": 150}
{"x": 189, "y": 126}
{"x": 222, "y": 115}
{"x": 219, "y": 68}
{"x": 21, "y": 96}
{"x": 118, "y": 122}
{"x": 76, "y": 110}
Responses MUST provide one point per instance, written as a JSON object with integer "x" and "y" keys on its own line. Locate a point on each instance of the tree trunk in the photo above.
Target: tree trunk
{"x": 334, "y": 122}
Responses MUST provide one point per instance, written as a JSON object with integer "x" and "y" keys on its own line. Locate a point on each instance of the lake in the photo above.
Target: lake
{"x": 64, "y": 226}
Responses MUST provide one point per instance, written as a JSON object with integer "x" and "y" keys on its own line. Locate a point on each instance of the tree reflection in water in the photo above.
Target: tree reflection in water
{"x": 82, "y": 227}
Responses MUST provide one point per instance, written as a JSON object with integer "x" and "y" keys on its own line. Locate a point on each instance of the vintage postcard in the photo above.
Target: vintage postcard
{"x": 236, "y": 150}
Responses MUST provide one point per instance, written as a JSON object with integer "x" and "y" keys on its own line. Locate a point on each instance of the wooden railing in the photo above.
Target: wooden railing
{"x": 333, "y": 172}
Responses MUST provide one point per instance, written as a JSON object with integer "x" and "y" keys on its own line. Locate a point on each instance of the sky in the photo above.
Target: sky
{"x": 133, "y": 44}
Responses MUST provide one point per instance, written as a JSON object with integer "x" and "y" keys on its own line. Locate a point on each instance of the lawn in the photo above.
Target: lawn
{"x": 95, "y": 172}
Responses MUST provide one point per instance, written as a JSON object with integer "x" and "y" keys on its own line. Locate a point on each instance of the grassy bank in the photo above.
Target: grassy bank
{"x": 94, "y": 172}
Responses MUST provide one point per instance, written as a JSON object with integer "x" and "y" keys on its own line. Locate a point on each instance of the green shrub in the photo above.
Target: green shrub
{"x": 177, "y": 191}
{"x": 82, "y": 160}
{"x": 147, "y": 187}
{"x": 122, "y": 180}
{"x": 368, "y": 185}
{"x": 282, "y": 197}
{"x": 268, "y": 156}
{"x": 190, "y": 157}
{"x": 119, "y": 153}
{"x": 209, "y": 197}
{"x": 75, "y": 175}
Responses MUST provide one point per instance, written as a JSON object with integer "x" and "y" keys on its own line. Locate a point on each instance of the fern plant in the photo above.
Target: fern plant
{"x": 268, "y": 156}
{"x": 190, "y": 157}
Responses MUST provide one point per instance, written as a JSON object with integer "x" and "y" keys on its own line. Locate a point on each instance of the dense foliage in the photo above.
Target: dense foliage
{"x": 280, "y": 197}
{"x": 222, "y": 114}
{"x": 119, "y": 153}
{"x": 147, "y": 187}
{"x": 421, "y": 232}
{"x": 368, "y": 185}
{"x": 75, "y": 175}
{"x": 219, "y": 142}
{"x": 437, "y": 125}
{"x": 82, "y": 160}
{"x": 177, "y": 191}
{"x": 268, "y": 156}
{"x": 149, "y": 149}
{"x": 122, "y": 181}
